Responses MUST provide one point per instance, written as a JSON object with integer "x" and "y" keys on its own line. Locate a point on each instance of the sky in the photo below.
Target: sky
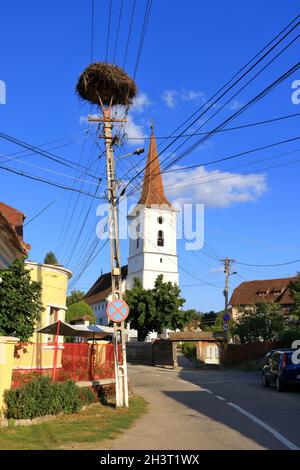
{"x": 189, "y": 52}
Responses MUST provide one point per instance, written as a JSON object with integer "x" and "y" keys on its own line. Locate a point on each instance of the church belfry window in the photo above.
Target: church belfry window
{"x": 160, "y": 238}
{"x": 160, "y": 219}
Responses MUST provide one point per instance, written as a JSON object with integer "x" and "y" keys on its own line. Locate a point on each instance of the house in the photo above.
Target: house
{"x": 249, "y": 294}
{"x": 152, "y": 245}
{"x": 12, "y": 245}
{"x": 40, "y": 352}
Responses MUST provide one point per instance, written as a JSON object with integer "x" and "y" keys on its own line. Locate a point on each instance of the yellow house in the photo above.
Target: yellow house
{"x": 39, "y": 352}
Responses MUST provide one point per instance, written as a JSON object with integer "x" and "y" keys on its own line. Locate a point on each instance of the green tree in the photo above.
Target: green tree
{"x": 80, "y": 310}
{"x": 74, "y": 297}
{"x": 263, "y": 323}
{"x": 50, "y": 258}
{"x": 157, "y": 308}
{"x": 20, "y": 305}
{"x": 294, "y": 287}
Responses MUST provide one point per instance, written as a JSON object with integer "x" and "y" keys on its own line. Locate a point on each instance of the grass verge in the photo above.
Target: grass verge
{"x": 79, "y": 430}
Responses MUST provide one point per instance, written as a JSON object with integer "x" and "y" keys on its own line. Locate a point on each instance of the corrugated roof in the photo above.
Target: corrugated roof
{"x": 268, "y": 290}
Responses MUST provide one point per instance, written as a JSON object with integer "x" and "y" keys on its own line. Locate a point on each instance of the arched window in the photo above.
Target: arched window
{"x": 160, "y": 238}
{"x": 160, "y": 219}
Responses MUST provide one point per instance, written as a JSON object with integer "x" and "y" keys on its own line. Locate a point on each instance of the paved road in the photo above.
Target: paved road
{"x": 211, "y": 410}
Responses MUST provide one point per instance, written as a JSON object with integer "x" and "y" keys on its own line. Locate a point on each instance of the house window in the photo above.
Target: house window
{"x": 160, "y": 260}
{"x": 160, "y": 220}
{"x": 160, "y": 238}
{"x": 53, "y": 317}
{"x": 138, "y": 229}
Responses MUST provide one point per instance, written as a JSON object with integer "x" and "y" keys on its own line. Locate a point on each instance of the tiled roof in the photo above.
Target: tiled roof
{"x": 153, "y": 190}
{"x": 9, "y": 231}
{"x": 102, "y": 287}
{"x": 255, "y": 292}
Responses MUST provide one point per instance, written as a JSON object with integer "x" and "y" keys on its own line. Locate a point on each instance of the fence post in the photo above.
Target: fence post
{"x": 7, "y": 348}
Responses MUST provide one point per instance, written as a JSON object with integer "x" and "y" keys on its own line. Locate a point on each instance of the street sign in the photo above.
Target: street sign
{"x": 117, "y": 310}
{"x": 226, "y": 317}
{"x": 225, "y": 327}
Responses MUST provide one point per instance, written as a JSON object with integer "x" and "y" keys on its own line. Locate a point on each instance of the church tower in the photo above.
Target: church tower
{"x": 152, "y": 223}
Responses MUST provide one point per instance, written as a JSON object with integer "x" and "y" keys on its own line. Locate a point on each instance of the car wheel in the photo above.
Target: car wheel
{"x": 265, "y": 381}
{"x": 279, "y": 385}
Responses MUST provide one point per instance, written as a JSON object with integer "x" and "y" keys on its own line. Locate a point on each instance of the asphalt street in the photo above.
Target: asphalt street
{"x": 211, "y": 409}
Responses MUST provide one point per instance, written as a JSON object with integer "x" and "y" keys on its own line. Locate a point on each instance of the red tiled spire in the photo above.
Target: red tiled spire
{"x": 153, "y": 189}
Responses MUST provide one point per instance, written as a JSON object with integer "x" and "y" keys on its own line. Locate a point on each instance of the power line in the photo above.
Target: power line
{"x": 214, "y": 102}
{"x": 269, "y": 265}
{"x": 118, "y": 31}
{"x": 142, "y": 37}
{"x": 108, "y": 30}
{"x": 129, "y": 33}
{"x": 51, "y": 183}
{"x": 243, "y": 126}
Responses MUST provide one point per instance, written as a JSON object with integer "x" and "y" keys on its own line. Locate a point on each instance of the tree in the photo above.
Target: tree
{"x": 263, "y": 323}
{"x": 20, "y": 305}
{"x": 74, "y": 297}
{"x": 294, "y": 287}
{"x": 80, "y": 310}
{"x": 157, "y": 308}
{"x": 50, "y": 258}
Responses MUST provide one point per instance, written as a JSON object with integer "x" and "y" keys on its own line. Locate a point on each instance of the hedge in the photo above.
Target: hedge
{"x": 41, "y": 397}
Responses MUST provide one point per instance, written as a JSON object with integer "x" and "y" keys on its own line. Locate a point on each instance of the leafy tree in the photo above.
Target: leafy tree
{"x": 294, "y": 287}
{"x": 50, "y": 258}
{"x": 263, "y": 323}
{"x": 157, "y": 308}
{"x": 79, "y": 310}
{"x": 20, "y": 305}
{"x": 74, "y": 297}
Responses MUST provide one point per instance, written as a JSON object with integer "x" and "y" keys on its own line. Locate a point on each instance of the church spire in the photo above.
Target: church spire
{"x": 153, "y": 189}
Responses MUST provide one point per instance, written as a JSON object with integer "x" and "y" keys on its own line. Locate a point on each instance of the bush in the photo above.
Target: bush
{"x": 189, "y": 350}
{"x": 41, "y": 397}
{"x": 287, "y": 336}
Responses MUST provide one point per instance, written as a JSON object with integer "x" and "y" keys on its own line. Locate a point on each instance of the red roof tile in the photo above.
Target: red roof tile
{"x": 255, "y": 292}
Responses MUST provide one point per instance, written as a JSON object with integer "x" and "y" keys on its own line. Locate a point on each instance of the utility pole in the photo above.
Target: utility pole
{"x": 227, "y": 262}
{"x": 115, "y": 259}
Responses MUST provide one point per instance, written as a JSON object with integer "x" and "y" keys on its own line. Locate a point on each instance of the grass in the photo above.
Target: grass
{"x": 81, "y": 430}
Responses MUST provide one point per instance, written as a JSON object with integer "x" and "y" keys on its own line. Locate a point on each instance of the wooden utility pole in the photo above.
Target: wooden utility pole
{"x": 115, "y": 259}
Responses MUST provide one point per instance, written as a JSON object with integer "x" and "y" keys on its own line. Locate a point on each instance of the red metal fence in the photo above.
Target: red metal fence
{"x": 66, "y": 361}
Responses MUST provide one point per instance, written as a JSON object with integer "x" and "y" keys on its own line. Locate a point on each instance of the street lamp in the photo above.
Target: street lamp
{"x": 136, "y": 152}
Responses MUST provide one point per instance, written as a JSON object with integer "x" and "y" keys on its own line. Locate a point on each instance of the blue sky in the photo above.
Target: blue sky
{"x": 189, "y": 52}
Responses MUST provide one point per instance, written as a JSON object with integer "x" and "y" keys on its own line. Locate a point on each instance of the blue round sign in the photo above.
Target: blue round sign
{"x": 226, "y": 317}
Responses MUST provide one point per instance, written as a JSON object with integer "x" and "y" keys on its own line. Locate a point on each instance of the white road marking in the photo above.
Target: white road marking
{"x": 290, "y": 445}
{"x": 220, "y": 398}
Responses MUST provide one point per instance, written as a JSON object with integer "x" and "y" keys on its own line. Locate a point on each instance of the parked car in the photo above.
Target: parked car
{"x": 279, "y": 369}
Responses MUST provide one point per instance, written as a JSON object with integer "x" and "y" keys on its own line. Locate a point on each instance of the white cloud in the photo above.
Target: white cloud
{"x": 140, "y": 103}
{"x": 213, "y": 188}
{"x": 169, "y": 97}
{"x": 134, "y": 131}
{"x": 172, "y": 97}
{"x": 235, "y": 105}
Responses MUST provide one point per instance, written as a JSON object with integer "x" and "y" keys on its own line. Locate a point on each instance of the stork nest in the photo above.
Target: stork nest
{"x": 107, "y": 83}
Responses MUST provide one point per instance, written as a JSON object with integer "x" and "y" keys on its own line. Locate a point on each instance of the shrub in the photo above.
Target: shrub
{"x": 287, "y": 336}
{"x": 41, "y": 397}
{"x": 189, "y": 350}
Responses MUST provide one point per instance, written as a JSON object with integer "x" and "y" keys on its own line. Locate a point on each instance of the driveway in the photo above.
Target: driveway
{"x": 199, "y": 410}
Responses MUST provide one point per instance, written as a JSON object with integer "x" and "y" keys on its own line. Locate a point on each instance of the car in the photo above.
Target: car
{"x": 279, "y": 369}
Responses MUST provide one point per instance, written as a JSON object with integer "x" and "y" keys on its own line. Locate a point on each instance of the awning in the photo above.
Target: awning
{"x": 83, "y": 331}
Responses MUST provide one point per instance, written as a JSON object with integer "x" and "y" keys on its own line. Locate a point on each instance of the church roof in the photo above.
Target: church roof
{"x": 153, "y": 189}
{"x": 101, "y": 289}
